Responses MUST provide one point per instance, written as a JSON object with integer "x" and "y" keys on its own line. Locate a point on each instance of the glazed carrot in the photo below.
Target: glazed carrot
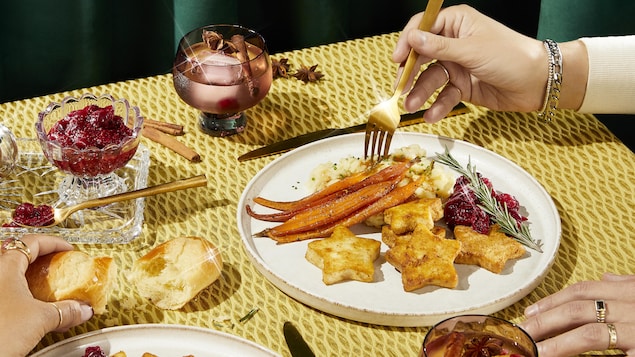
{"x": 393, "y": 198}
{"x": 328, "y": 190}
{"x": 331, "y": 211}
{"x": 285, "y": 215}
{"x": 392, "y": 173}
{"x": 351, "y": 183}
{"x": 307, "y": 209}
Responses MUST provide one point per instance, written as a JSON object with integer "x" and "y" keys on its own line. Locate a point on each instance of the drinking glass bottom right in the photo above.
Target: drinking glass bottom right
{"x": 477, "y": 335}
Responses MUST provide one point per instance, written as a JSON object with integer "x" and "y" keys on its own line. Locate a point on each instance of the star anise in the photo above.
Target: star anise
{"x": 308, "y": 74}
{"x": 485, "y": 346}
{"x": 280, "y": 68}
{"x": 212, "y": 39}
{"x": 215, "y": 42}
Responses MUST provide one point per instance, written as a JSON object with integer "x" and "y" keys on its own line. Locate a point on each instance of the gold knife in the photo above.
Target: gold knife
{"x": 292, "y": 143}
{"x": 297, "y": 346}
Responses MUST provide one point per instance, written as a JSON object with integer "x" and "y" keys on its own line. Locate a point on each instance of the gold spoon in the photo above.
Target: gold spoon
{"x": 59, "y": 215}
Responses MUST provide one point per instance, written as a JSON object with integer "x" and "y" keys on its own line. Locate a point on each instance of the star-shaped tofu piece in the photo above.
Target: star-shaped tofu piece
{"x": 344, "y": 256}
{"x": 490, "y": 251}
{"x": 425, "y": 259}
{"x": 406, "y": 216}
{"x": 390, "y": 238}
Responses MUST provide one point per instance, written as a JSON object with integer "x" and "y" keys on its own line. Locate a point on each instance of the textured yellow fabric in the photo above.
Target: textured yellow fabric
{"x": 583, "y": 166}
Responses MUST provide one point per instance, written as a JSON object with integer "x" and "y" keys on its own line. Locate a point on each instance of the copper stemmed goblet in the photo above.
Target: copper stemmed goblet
{"x": 222, "y": 70}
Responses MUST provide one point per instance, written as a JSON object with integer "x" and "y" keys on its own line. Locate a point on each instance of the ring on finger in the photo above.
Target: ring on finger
{"x": 59, "y": 312}
{"x": 16, "y": 244}
{"x": 612, "y": 336}
{"x": 600, "y": 311}
{"x": 452, "y": 86}
{"x": 445, "y": 70}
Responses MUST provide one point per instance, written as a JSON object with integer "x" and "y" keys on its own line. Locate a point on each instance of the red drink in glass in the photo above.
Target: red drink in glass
{"x": 219, "y": 80}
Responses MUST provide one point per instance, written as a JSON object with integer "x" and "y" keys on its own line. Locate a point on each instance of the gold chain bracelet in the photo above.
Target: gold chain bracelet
{"x": 554, "y": 83}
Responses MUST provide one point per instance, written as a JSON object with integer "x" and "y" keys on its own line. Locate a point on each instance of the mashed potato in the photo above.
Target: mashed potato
{"x": 440, "y": 179}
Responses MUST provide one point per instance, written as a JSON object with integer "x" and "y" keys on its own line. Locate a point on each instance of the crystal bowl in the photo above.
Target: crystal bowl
{"x": 89, "y": 158}
{"x": 8, "y": 151}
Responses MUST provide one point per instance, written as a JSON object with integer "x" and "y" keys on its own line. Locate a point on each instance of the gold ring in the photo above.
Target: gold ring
{"x": 59, "y": 312}
{"x": 600, "y": 311}
{"x": 16, "y": 244}
{"x": 612, "y": 336}
{"x": 457, "y": 89}
{"x": 445, "y": 70}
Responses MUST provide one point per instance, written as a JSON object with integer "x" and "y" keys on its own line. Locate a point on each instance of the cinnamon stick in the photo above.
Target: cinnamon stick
{"x": 171, "y": 143}
{"x": 243, "y": 56}
{"x": 168, "y": 128}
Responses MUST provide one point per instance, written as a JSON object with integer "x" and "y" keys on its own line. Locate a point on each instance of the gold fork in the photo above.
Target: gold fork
{"x": 384, "y": 117}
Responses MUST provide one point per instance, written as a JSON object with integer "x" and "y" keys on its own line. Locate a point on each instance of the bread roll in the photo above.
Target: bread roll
{"x": 174, "y": 272}
{"x": 73, "y": 275}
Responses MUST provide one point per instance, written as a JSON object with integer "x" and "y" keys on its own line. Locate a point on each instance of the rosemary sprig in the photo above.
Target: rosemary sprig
{"x": 249, "y": 315}
{"x": 499, "y": 213}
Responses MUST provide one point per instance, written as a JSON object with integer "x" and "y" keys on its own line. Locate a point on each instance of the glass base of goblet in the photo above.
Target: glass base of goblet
{"x": 222, "y": 124}
{"x": 75, "y": 189}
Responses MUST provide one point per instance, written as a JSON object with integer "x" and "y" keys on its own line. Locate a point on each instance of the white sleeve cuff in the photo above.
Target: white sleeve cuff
{"x": 611, "y": 84}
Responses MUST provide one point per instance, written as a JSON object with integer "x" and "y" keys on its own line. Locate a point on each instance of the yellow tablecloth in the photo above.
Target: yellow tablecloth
{"x": 587, "y": 171}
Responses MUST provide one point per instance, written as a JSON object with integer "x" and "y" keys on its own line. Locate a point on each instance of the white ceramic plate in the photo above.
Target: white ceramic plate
{"x": 160, "y": 339}
{"x": 384, "y": 301}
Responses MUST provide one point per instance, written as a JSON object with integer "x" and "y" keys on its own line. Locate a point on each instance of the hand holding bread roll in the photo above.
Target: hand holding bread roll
{"x": 174, "y": 272}
{"x": 73, "y": 275}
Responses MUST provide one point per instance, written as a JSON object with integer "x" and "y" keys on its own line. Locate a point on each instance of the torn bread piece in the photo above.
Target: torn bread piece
{"x": 489, "y": 251}
{"x": 73, "y": 275}
{"x": 344, "y": 256}
{"x": 425, "y": 259}
{"x": 175, "y": 271}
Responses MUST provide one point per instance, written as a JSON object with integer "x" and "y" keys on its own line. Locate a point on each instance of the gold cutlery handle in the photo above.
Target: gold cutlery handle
{"x": 191, "y": 182}
{"x": 429, "y": 17}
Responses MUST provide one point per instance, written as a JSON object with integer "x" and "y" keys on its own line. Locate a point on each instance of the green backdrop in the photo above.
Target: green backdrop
{"x": 51, "y": 46}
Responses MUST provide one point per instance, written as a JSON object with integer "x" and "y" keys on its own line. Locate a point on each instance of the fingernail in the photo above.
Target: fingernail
{"x": 541, "y": 350}
{"x": 531, "y": 310}
{"x": 87, "y": 312}
{"x": 420, "y": 37}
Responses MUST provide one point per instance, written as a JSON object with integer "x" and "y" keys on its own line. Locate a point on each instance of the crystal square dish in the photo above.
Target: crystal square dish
{"x": 36, "y": 181}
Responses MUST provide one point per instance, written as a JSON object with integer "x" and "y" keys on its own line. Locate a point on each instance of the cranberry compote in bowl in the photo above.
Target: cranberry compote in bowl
{"x": 222, "y": 70}
{"x": 89, "y": 138}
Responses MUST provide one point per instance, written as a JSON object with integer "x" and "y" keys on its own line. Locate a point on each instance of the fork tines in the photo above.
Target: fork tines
{"x": 378, "y": 141}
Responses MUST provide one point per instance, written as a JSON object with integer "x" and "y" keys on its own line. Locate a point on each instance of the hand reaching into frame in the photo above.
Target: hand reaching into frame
{"x": 483, "y": 62}
{"x": 569, "y": 322}
{"x": 25, "y": 320}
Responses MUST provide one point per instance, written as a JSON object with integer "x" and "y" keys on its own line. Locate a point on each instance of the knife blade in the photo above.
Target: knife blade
{"x": 297, "y": 346}
{"x": 292, "y": 143}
